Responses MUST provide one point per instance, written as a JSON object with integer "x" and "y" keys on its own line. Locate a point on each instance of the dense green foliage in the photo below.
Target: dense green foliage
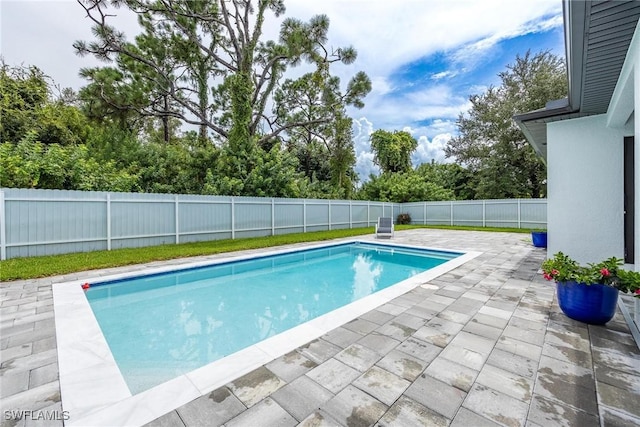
{"x": 404, "y": 187}
{"x": 490, "y": 143}
{"x": 32, "y": 164}
{"x": 26, "y": 108}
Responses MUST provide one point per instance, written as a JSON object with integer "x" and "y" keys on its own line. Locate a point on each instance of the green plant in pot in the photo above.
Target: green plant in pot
{"x": 590, "y": 293}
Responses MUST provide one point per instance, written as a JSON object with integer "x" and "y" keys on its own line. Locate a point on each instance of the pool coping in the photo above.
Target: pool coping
{"x": 94, "y": 392}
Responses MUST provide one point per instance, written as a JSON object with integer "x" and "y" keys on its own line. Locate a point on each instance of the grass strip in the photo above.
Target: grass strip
{"x": 43, "y": 266}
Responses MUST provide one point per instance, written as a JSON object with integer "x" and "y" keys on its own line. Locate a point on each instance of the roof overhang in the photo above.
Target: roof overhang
{"x": 597, "y": 38}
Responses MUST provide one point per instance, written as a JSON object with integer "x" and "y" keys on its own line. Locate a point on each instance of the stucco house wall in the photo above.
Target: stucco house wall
{"x": 585, "y": 174}
{"x": 634, "y": 58}
{"x": 585, "y": 189}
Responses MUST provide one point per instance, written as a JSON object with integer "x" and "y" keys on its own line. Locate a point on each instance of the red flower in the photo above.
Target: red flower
{"x": 605, "y": 272}
{"x": 637, "y": 292}
{"x": 554, "y": 272}
{"x": 547, "y": 276}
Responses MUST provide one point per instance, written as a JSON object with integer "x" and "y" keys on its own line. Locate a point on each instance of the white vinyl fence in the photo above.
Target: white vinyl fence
{"x": 47, "y": 222}
{"x": 515, "y": 213}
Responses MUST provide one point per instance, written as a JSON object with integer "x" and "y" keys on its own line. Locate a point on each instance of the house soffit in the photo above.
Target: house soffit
{"x": 597, "y": 39}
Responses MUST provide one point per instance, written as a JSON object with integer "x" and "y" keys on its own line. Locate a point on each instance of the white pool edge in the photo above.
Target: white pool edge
{"x": 94, "y": 392}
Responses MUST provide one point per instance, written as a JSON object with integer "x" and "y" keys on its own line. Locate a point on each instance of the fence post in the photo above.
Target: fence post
{"x": 519, "y": 207}
{"x": 425, "y": 213}
{"x": 108, "y": 221}
{"x": 329, "y": 214}
{"x": 304, "y": 215}
{"x": 177, "y": 209}
{"x": 350, "y": 216}
{"x": 368, "y": 214}
{"x": 233, "y": 217}
{"x": 3, "y": 228}
{"x": 273, "y": 217}
{"x": 451, "y": 211}
{"x": 484, "y": 213}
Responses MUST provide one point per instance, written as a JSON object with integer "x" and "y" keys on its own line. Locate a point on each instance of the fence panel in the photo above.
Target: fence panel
{"x": 146, "y": 222}
{"x": 202, "y": 219}
{"x": 289, "y": 216}
{"x": 503, "y": 213}
{"x": 416, "y": 211}
{"x": 375, "y": 211}
{"x": 468, "y": 213}
{"x": 533, "y": 213}
{"x": 340, "y": 216}
{"x": 439, "y": 213}
{"x": 37, "y": 223}
{"x": 359, "y": 214}
{"x": 317, "y": 215}
{"x": 253, "y": 217}
{"x": 47, "y": 222}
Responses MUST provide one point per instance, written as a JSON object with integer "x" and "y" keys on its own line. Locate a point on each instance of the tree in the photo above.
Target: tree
{"x": 392, "y": 151}
{"x": 111, "y": 98}
{"x": 324, "y": 150}
{"x": 491, "y": 145}
{"x": 159, "y": 66}
{"x": 450, "y": 176}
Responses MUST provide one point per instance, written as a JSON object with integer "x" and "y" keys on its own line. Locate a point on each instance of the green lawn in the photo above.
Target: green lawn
{"x": 43, "y": 266}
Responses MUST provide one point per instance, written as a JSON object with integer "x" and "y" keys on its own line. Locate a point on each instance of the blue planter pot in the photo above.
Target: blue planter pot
{"x": 539, "y": 239}
{"x": 594, "y": 304}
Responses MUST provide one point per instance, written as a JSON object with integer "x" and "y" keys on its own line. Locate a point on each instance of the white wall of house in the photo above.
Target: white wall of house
{"x": 621, "y": 114}
{"x": 634, "y": 58}
{"x": 585, "y": 188}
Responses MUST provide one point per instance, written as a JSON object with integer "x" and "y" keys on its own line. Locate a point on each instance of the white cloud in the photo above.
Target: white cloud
{"x": 473, "y": 54}
{"x": 444, "y": 74}
{"x": 431, "y": 150}
{"x": 387, "y": 34}
{"x": 365, "y": 166}
{"x": 362, "y": 130}
{"x": 394, "y": 113}
{"x": 442, "y": 126}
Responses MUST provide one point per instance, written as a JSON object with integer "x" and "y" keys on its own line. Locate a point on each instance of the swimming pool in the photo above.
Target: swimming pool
{"x": 93, "y": 388}
{"x": 161, "y": 326}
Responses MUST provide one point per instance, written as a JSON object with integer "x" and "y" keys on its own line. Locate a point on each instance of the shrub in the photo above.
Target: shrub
{"x": 403, "y": 218}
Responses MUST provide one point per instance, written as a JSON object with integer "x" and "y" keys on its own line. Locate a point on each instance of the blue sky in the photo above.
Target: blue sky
{"x": 424, "y": 57}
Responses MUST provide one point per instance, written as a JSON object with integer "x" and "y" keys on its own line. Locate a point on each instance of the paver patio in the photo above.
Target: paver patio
{"x": 482, "y": 345}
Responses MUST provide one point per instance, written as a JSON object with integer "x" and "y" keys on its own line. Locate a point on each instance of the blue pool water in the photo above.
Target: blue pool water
{"x": 160, "y": 326}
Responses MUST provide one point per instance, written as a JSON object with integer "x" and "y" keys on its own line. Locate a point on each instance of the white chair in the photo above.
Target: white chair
{"x": 384, "y": 227}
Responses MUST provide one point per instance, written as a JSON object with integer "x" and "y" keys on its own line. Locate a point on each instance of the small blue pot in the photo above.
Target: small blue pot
{"x": 594, "y": 304}
{"x": 539, "y": 239}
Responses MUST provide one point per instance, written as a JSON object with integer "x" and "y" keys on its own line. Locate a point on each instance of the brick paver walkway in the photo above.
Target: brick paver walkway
{"x": 482, "y": 345}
